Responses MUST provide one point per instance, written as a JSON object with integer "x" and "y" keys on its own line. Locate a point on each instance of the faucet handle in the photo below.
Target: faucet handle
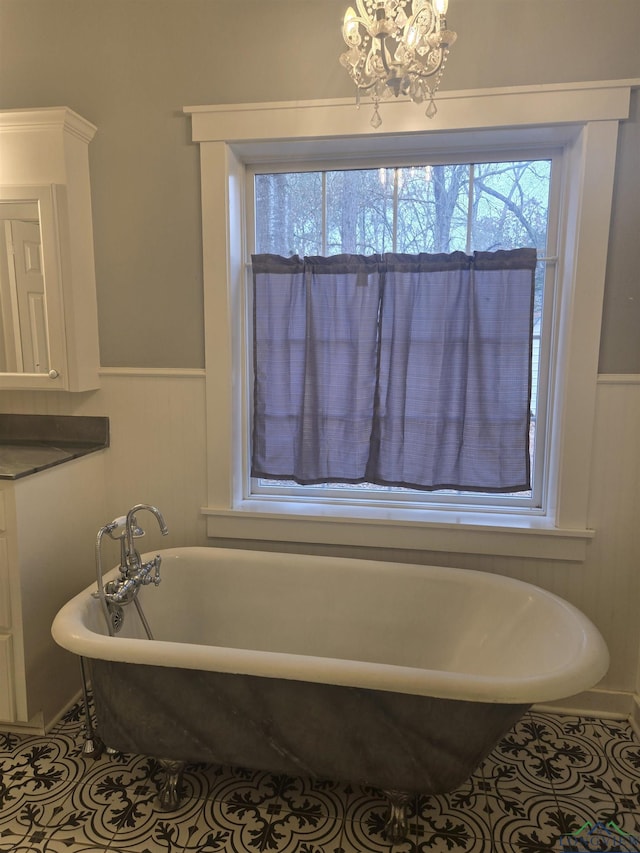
{"x": 156, "y": 563}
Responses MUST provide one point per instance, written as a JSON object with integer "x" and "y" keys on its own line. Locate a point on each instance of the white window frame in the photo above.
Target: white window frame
{"x": 583, "y": 120}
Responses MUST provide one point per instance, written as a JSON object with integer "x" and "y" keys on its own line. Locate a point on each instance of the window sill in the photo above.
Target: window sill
{"x": 466, "y": 533}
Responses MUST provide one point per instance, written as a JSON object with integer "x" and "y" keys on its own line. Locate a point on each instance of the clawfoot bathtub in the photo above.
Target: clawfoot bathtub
{"x": 398, "y": 676}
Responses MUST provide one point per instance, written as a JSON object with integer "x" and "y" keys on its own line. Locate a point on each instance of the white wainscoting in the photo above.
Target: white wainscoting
{"x": 158, "y": 455}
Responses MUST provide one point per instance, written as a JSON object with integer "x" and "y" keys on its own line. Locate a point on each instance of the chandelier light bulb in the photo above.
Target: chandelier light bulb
{"x": 350, "y": 26}
{"x": 396, "y": 47}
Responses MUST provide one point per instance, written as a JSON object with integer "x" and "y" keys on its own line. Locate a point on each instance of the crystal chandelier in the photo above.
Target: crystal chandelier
{"x": 397, "y": 47}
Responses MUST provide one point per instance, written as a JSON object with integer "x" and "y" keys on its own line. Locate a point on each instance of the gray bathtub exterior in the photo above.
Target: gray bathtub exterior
{"x": 391, "y": 741}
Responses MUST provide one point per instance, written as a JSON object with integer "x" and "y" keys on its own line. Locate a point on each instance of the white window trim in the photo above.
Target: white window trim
{"x": 583, "y": 118}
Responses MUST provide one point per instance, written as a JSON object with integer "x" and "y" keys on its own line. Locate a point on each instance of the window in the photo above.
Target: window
{"x": 424, "y": 207}
{"x": 580, "y": 121}
{"x": 418, "y": 208}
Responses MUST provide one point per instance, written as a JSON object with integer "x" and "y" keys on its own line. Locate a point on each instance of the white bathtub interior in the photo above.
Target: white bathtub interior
{"x": 237, "y": 610}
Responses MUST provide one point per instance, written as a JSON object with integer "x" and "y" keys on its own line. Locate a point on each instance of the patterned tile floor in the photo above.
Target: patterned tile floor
{"x": 550, "y": 778}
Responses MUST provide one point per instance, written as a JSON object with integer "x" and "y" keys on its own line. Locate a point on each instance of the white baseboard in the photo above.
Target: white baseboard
{"x": 55, "y": 720}
{"x": 634, "y": 718}
{"x": 608, "y": 704}
{"x": 36, "y": 725}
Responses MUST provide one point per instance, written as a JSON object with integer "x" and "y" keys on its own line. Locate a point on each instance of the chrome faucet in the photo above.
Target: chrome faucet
{"x": 133, "y": 572}
{"x": 132, "y": 558}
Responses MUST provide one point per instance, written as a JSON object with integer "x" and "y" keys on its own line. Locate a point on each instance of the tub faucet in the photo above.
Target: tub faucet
{"x": 133, "y": 564}
{"x": 133, "y": 572}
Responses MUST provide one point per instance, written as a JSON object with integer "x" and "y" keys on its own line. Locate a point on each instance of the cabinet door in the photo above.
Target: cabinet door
{"x": 5, "y": 597}
{"x": 7, "y": 692}
{"x": 5, "y": 591}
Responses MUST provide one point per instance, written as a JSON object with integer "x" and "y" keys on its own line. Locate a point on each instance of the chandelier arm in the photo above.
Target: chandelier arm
{"x": 370, "y": 69}
{"x": 423, "y": 12}
{"x": 364, "y": 17}
{"x": 436, "y": 68}
{"x": 384, "y": 54}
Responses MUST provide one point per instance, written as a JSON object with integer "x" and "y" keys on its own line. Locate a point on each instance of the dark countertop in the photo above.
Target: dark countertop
{"x": 31, "y": 443}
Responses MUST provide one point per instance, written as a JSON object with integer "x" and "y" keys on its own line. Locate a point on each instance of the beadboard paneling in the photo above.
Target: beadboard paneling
{"x": 158, "y": 450}
{"x": 158, "y": 455}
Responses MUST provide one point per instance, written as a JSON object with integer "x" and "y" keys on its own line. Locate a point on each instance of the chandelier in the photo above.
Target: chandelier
{"x": 397, "y": 47}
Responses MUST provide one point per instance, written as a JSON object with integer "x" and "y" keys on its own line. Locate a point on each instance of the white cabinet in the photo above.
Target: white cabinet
{"x": 48, "y": 524}
{"x": 44, "y": 181}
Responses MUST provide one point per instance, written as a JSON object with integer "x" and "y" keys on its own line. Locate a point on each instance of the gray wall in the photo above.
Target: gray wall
{"x": 129, "y": 66}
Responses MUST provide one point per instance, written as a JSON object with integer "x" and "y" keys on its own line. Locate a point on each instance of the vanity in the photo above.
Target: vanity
{"x": 51, "y": 504}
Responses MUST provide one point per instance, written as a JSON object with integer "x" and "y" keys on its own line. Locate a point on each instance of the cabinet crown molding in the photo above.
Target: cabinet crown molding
{"x": 63, "y": 118}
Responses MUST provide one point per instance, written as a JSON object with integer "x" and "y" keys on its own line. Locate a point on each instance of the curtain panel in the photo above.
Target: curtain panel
{"x": 395, "y": 370}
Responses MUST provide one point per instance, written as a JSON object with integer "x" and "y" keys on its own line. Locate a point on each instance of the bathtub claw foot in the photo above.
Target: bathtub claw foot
{"x": 169, "y": 793}
{"x": 93, "y": 747}
{"x": 396, "y": 827}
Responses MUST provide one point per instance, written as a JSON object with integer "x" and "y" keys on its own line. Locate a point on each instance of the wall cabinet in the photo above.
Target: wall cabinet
{"x": 48, "y": 309}
{"x": 48, "y": 522}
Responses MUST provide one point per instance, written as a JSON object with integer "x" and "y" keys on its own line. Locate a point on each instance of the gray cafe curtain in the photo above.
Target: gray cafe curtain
{"x": 402, "y": 370}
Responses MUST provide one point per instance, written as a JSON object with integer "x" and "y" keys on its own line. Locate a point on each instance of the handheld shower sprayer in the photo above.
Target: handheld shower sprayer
{"x": 117, "y": 531}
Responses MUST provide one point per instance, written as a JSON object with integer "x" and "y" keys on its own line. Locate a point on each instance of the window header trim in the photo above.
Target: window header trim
{"x": 477, "y": 109}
